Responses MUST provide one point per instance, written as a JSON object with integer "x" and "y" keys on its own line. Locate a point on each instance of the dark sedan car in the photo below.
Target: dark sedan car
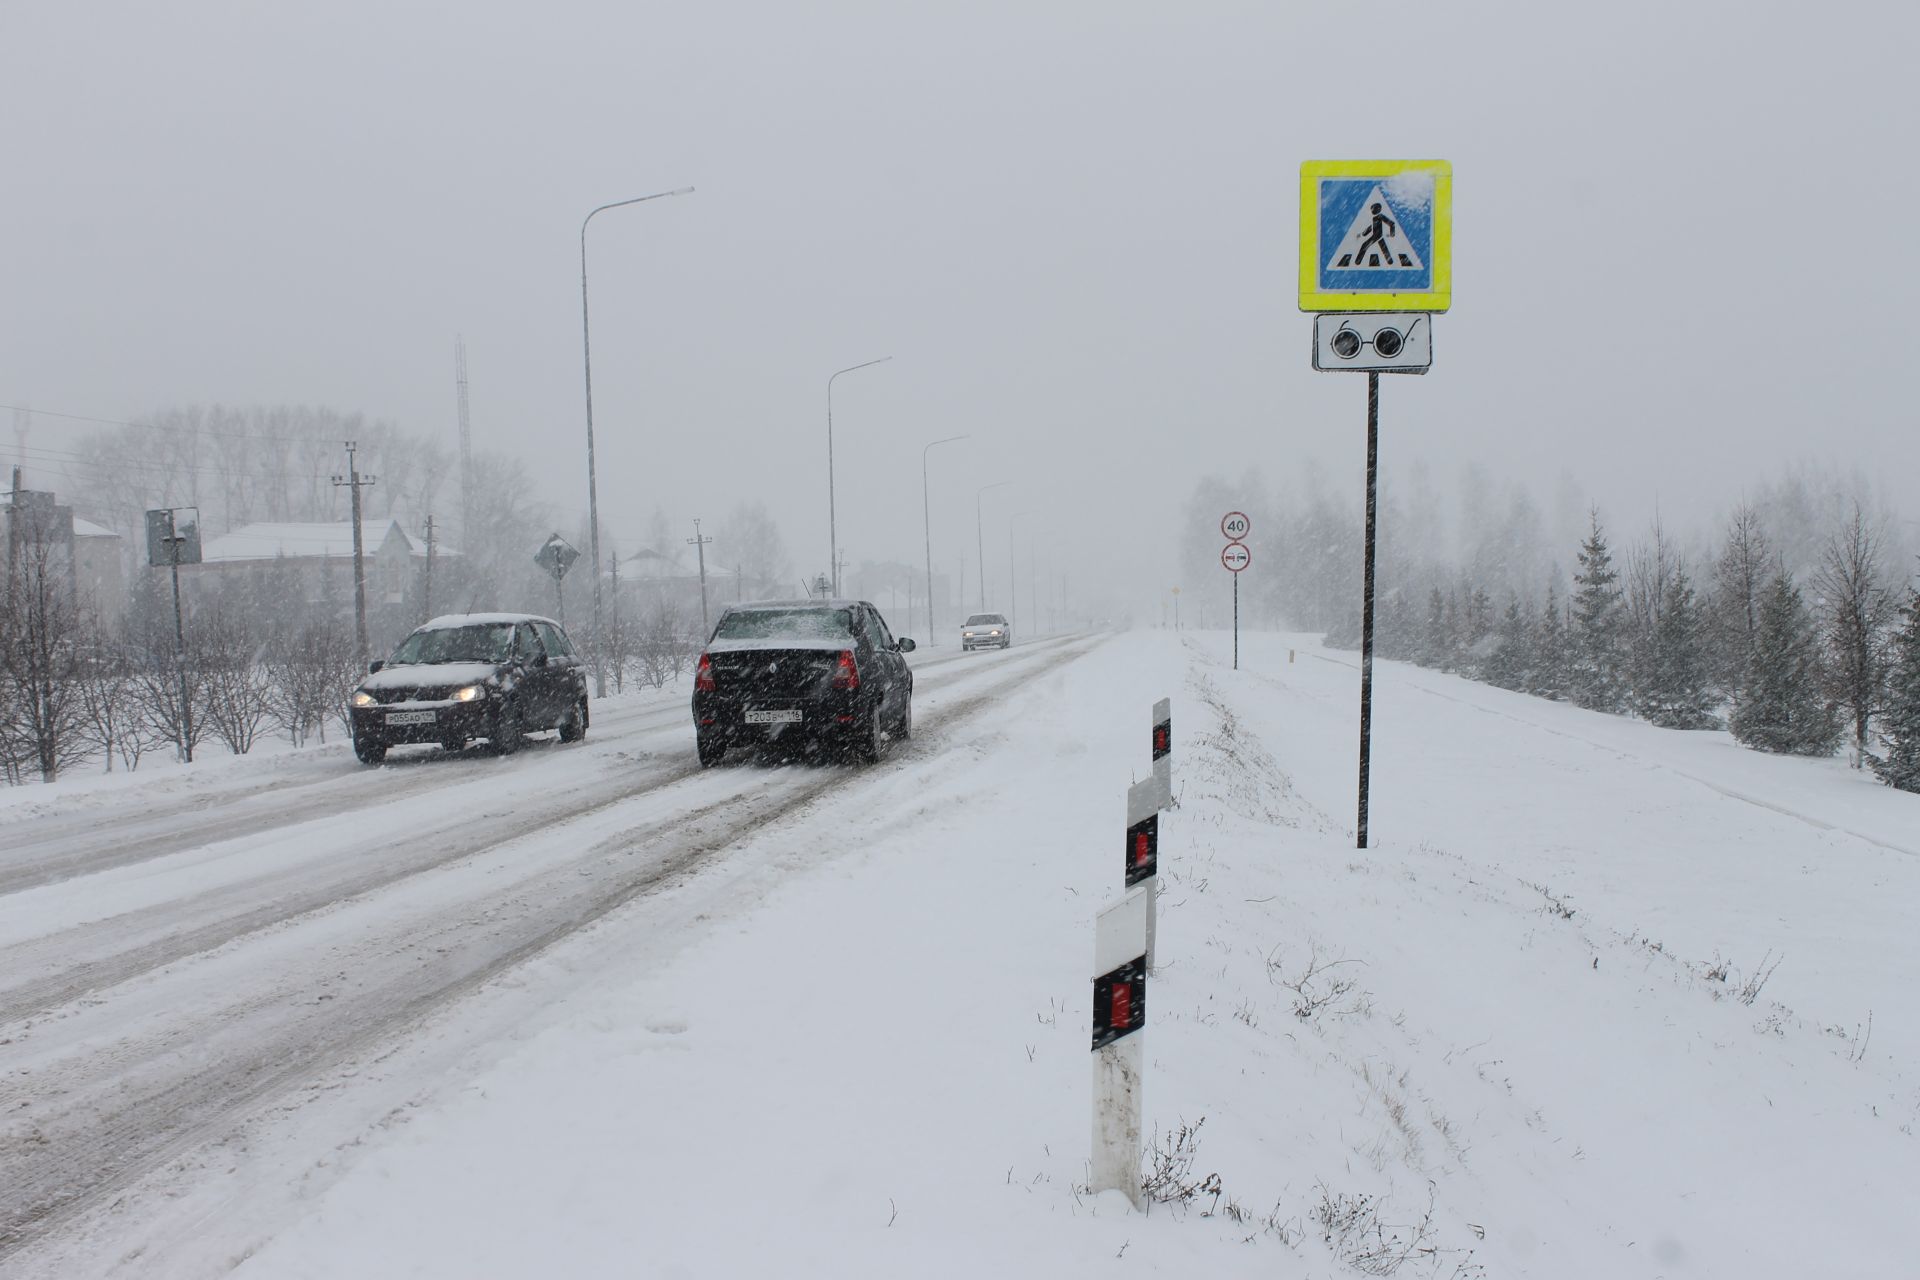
{"x": 498, "y": 676}
{"x": 823, "y": 671}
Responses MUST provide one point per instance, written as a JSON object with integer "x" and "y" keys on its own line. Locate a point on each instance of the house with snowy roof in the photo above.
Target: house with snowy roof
{"x": 319, "y": 556}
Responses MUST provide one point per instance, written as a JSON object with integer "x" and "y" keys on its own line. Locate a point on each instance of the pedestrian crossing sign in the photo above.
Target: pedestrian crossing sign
{"x": 1376, "y": 235}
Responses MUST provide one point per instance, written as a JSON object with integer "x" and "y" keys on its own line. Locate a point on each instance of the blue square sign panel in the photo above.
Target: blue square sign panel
{"x": 1375, "y": 235}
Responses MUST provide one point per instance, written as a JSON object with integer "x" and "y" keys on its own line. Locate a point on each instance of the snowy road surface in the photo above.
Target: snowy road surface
{"x": 164, "y": 964}
{"x": 1604, "y": 1000}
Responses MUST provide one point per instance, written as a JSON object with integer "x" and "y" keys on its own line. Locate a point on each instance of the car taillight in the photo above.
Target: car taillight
{"x": 703, "y": 675}
{"x": 846, "y": 675}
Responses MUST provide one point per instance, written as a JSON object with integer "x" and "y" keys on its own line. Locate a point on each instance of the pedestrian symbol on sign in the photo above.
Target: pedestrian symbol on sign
{"x": 1373, "y": 241}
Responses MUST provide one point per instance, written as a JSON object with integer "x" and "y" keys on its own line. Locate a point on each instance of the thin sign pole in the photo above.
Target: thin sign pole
{"x": 1236, "y": 622}
{"x": 1366, "y": 608}
{"x": 180, "y": 646}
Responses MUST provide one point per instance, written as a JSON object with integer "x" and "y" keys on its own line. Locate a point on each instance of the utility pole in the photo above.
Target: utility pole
{"x": 614, "y": 649}
{"x": 699, "y": 543}
{"x": 355, "y": 481}
{"x": 426, "y": 603}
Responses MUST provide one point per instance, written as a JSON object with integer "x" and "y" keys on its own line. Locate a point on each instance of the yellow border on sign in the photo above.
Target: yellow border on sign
{"x": 1437, "y": 298}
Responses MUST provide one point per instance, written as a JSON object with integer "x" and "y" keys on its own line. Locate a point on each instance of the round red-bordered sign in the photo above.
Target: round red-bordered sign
{"x": 1234, "y": 526}
{"x": 1235, "y": 557}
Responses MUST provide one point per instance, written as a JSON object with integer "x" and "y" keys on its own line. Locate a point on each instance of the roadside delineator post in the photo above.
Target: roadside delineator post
{"x": 1119, "y": 1013}
{"x": 1123, "y": 956}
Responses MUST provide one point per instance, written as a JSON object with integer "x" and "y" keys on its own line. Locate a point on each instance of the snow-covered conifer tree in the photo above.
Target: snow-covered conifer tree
{"x": 1547, "y": 677}
{"x": 1900, "y": 715}
{"x": 1674, "y": 690}
{"x": 1782, "y": 707}
{"x": 1511, "y": 660}
{"x": 1595, "y": 679}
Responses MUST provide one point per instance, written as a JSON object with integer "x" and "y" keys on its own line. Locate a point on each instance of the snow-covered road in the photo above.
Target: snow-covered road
{"x": 187, "y": 953}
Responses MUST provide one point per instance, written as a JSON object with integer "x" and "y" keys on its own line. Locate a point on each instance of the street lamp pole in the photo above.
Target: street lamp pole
{"x": 833, "y": 528}
{"x": 926, "y": 516}
{"x": 980, "y": 538}
{"x": 593, "y": 489}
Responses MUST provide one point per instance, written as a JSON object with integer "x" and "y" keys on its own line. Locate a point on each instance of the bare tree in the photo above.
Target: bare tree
{"x": 227, "y": 646}
{"x": 1856, "y": 615}
{"x": 41, "y": 645}
{"x": 112, "y": 724}
{"x": 309, "y": 670}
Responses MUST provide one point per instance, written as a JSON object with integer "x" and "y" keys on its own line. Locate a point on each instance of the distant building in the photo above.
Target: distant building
{"x": 320, "y": 556}
{"x": 90, "y": 555}
{"x": 654, "y": 580}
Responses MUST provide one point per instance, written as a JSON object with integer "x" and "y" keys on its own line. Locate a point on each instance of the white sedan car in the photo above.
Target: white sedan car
{"x": 985, "y": 631}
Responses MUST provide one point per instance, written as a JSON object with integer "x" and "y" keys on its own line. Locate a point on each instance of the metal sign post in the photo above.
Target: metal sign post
{"x": 1235, "y": 556}
{"x": 173, "y": 539}
{"x": 556, "y": 555}
{"x": 1376, "y": 249}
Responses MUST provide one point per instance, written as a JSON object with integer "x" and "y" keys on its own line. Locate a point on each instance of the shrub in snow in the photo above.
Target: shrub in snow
{"x": 1781, "y": 706}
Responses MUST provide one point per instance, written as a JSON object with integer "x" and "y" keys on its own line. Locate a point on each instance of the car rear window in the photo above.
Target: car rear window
{"x": 485, "y": 642}
{"x": 985, "y": 620}
{"x": 778, "y": 624}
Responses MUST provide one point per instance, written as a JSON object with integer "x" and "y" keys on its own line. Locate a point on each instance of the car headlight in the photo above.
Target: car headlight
{"x": 361, "y": 698}
{"x": 993, "y": 633}
{"x": 469, "y": 693}
{"x": 966, "y": 635}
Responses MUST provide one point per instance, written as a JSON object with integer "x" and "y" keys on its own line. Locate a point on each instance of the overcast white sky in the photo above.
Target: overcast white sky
{"x": 1685, "y": 250}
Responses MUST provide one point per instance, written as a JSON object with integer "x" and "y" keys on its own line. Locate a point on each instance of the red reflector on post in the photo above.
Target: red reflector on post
{"x": 1122, "y": 1016}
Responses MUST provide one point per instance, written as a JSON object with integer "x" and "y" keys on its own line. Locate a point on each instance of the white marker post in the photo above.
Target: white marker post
{"x": 1119, "y": 1010}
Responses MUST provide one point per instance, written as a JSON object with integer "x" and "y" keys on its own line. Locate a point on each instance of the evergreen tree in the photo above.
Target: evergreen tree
{"x": 1433, "y": 633}
{"x": 1900, "y": 719}
{"x": 1595, "y": 636}
{"x": 1674, "y": 691}
{"x": 1781, "y": 707}
{"x": 1547, "y": 677}
{"x": 1476, "y": 640}
{"x": 1739, "y": 580}
{"x": 1511, "y": 660}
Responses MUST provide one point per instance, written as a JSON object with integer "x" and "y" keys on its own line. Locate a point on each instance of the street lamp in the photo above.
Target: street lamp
{"x": 980, "y": 538}
{"x": 593, "y": 490}
{"x": 833, "y": 532}
{"x": 1013, "y": 590}
{"x": 926, "y": 516}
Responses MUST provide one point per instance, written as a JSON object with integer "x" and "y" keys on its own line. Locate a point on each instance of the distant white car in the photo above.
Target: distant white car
{"x": 985, "y": 631}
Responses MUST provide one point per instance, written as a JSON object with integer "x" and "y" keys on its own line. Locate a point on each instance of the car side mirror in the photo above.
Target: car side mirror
{"x": 375, "y": 665}
{"x": 906, "y": 644}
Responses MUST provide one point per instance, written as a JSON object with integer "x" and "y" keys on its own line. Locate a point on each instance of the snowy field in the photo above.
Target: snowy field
{"x": 1602, "y": 1001}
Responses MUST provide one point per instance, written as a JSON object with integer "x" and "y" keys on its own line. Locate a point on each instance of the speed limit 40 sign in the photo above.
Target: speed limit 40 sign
{"x": 1235, "y": 526}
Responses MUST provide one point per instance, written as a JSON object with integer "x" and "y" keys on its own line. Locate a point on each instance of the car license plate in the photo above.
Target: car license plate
{"x": 410, "y": 717}
{"x": 790, "y": 715}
